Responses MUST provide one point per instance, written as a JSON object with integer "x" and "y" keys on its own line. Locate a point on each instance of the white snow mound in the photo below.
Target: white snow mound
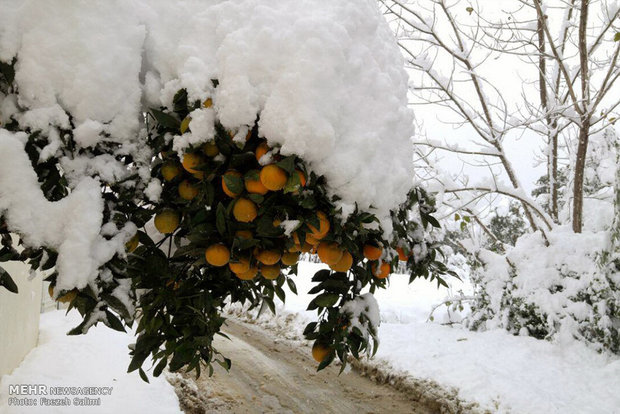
{"x": 326, "y": 78}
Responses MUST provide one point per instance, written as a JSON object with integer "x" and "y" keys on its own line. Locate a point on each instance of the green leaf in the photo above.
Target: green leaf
{"x": 185, "y": 124}
{"x": 242, "y": 160}
{"x": 234, "y": 183}
{"x": 617, "y": 37}
{"x": 8, "y": 71}
{"x": 143, "y": 375}
{"x": 256, "y": 198}
{"x": 291, "y": 285}
{"x": 165, "y": 119}
{"x": 287, "y": 164}
{"x": 160, "y": 367}
{"x": 136, "y": 361}
{"x": 220, "y": 219}
{"x": 321, "y": 275}
{"x": 327, "y": 300}
{"x": 114, "y": 322}
{"x": 7, "y": 281}
{"x": 433, "y": 221}
{"x": 328, "y": 360}
{"x": 252, "y": 175}
{"x": 226, "y": 364}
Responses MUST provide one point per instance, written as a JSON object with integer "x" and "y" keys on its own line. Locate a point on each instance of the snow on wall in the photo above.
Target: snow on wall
{"x": 326, "y": 77}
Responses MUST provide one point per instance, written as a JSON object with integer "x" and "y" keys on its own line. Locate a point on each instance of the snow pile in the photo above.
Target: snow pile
{"x": 559, "y": 291}
{"x": 326, "y": 77}
{"x": 70, "y": 226}
{"x": 363, "y": 314}
{"x": 98, "y": 359}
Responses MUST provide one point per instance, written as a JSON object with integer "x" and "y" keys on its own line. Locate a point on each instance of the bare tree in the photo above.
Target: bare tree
{"x": 450, "y": 42}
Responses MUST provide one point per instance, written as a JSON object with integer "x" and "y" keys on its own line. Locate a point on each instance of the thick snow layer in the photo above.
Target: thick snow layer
{"x": 326, "y": 77}
{"x": 71, "y": 225}
{"x": 502, "y": 372}
{"x": 98, "y": 359}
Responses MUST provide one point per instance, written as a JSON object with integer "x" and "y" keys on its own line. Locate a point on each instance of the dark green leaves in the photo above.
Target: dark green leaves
{"x": 326, "y": 300}
{"x": 287, "y": 164}
{"x": 7, "y": 282}
{"x": 234, "y": 183}
{"x": 220, "y": 219}
{"x": 166, "y": 120}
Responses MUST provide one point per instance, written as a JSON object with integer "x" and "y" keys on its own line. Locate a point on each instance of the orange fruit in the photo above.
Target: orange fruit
{"x": 132, "y": 244}
{"x": 244, "y": 234}
{"x": 261, "y": 150}
{"x": 268, "y": 257}
{"x": 255, "y": 187}
{"x": 170, "y": 170}
{"x": 302, "y": 178}
{"x": 273, "y": 177}
{"x": 210, "y": 149}
{"x": 290, "y": 258}
{"x": 66, "y": 298}
{"x": 191, "y": 161}
{"x": 242, "y": 265}
{"x": 230, "y": 173}
{"x": 323, "y": 229}
{"x": 249, "y": 275}
{"x": 401, "y": 254}
{"x": 270, "y": 272}
{"x": 344, "y": 264}
{"x": 372, "y": 252}
{"x": 245, "y": 210}
{"x": 217, "y": 255}
{"x": 320, "y": 352}
{"x": 329, "y": 252}
{"x": 306, "y": 248}
{"x": 383, "y": 271}
{"x": 187, "y": 190}
{"x": 167, "y": 221}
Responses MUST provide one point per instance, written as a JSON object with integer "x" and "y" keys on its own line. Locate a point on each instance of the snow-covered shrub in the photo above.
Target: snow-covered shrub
{"x": 569, "y": 288}
{"x": 133, "y": 120}
{"x": 554, "y": 292}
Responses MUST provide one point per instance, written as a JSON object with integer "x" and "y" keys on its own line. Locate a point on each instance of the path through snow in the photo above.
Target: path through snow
{"x": 270, "y": 375}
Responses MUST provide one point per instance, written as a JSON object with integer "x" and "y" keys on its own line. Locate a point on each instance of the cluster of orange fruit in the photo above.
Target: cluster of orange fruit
{"x": 269, "y": 178}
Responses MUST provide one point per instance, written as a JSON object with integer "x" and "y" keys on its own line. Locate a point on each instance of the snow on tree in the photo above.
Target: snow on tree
{"x": 249, "y": 130}
{"x": 467, "y": 58}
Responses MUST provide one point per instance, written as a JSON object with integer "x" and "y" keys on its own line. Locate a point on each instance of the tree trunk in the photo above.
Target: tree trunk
{"x": 580, "y": 164}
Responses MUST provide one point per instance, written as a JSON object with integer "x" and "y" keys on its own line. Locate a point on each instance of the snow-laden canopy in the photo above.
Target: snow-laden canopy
{"x": 326, "y": 78}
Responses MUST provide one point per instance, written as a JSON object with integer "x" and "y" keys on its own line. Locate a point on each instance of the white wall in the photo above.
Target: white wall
{"x": 19, "y": 316}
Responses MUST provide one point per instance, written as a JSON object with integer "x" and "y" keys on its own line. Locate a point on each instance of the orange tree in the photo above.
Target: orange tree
{"x": 232, "y": 218}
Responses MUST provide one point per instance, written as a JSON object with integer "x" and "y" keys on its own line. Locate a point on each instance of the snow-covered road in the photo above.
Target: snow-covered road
{"x": 270, "y": 375}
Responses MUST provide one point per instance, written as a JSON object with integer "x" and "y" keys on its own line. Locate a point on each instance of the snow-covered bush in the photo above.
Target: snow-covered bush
{"x": 550, "y": 292}
{"x": 159, "y": 155}
{"x": 568, "y": 289}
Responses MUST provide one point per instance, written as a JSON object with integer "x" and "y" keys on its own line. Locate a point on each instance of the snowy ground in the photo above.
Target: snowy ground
{"x": 501, "y": 372}
{"x": 98, "y": 359}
